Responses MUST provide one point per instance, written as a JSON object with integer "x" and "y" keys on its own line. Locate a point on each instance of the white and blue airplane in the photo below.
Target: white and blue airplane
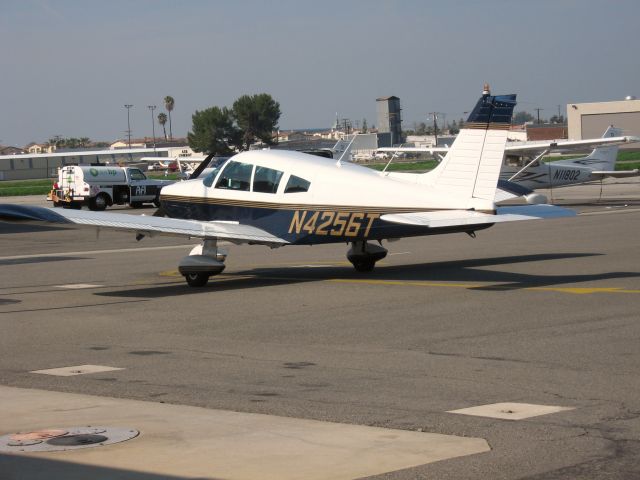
{"x": 281, "y": 198}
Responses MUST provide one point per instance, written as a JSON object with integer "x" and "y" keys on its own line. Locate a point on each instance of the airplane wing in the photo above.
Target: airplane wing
{"x": 599, "y": 174}
{"x": 532, "y": 147}
{"x": 452, "y": 218}
{"x": 142, "y": 225}
{"x": 569, "y": 145}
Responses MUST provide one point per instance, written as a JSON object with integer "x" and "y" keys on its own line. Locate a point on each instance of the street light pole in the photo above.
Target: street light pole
{"x": 153, "y": 124}
{"x": 128, "y": 106}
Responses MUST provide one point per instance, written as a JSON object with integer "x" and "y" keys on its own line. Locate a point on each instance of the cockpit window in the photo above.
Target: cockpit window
{"x": 235, "y": 176}
{"x": 210, "y": 173}
{"x": 296, "y": 184}
{"x": 266, "y": 180}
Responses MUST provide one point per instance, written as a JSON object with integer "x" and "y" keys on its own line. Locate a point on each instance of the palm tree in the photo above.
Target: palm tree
{"x": 169, "y": 102}
{"x": 162, "y": 119}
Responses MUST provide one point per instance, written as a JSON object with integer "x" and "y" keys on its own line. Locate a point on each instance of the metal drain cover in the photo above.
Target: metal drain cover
{"x": 52, "y": 440}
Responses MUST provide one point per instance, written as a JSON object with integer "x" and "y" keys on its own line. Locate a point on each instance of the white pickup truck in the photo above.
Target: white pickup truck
{"x": 99, "y": 187}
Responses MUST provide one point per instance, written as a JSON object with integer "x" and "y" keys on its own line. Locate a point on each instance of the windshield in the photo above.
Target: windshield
{"x": 211, "y": 172}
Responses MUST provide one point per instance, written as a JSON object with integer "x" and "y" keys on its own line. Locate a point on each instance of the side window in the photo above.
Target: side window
{"x": 235, "y": 176}
{"x": 266, "y": 180}
{"x": 296, "y": 184}
{"x": 137, "y": 174}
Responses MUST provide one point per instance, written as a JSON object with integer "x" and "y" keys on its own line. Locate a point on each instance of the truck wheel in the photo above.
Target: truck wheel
{"x": 98, "y": 203}
{"x": 156, "y": 201}
{"x": 73, "y": 205}
{"x": 197, "y": 279}
{"x": 136, "y": 204}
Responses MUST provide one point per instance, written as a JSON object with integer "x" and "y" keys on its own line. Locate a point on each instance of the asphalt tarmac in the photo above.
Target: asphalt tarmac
{"x": 541, "y": 312}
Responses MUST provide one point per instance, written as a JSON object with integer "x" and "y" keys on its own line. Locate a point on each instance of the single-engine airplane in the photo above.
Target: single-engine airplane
{"x": 278, "y": 198}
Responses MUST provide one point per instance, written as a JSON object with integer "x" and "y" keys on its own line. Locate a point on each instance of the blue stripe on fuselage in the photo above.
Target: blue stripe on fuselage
{"x": 307, "y": 226}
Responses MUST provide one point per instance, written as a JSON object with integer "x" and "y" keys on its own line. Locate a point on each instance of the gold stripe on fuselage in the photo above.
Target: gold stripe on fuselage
{"x": 293, "y": 206}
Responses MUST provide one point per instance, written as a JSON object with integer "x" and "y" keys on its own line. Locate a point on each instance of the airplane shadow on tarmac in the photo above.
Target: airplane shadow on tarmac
{"x": 469, "y": 270}
{"x": 16, "y": 467}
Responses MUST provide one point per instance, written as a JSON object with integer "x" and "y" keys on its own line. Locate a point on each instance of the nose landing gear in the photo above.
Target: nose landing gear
{"x": 364, "y": 255}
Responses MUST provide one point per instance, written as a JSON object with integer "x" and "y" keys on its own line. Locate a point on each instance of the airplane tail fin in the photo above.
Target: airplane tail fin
{"x": 603, "y": 158}
{"x": 472, "y": 166}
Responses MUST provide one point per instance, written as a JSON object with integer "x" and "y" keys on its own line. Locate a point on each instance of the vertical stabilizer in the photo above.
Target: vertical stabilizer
{"x": 601, "y": 158}
{"x": 472, "y": 166}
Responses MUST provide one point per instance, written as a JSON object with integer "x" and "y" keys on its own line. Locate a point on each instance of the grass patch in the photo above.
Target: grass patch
{"x": 161, "y": 176}
{"x": 628, "y": 165}
{"x": 406, "y": 166}
{"x": 45, "y": 182}
{"x": 18, "y": 191}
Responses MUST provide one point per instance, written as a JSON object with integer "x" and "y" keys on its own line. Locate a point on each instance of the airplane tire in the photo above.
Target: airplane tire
{"x": 197, "y": 279}
{"x": 364, "y": 265}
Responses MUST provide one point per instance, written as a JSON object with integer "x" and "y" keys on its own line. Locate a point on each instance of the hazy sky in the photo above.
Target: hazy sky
{"x": 70, "y": 66}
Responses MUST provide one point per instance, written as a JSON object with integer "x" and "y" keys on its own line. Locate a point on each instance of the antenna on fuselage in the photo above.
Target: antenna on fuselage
{"x": 346, "y": 150}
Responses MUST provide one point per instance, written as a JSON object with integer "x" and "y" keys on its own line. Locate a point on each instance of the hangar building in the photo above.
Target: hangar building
{"x": 590, "y": 120}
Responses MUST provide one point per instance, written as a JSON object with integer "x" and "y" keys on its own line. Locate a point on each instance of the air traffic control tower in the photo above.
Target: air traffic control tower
{"x": 389, "y": 121}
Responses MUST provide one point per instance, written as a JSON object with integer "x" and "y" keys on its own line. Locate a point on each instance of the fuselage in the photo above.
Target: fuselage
{"x": 306, "y": 199}
{"x": 548, "y": 175}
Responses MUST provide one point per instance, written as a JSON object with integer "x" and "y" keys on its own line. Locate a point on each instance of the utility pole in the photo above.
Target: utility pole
{"x": 153, "y": 125}
{"x": 435, "y": 126}
{"x": 128, "y": 106}
{"x": 538, "y": 110}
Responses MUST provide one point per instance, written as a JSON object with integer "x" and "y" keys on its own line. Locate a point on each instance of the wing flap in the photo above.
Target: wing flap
{"x": 147, "y": 225}
{"x": 453, "y": 218}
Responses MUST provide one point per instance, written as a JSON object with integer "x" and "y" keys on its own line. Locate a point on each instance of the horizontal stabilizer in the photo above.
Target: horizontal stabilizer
{"x": 453, "y": 218}
{"x": 141, "y": 224}
{"x": 615, "y": 173}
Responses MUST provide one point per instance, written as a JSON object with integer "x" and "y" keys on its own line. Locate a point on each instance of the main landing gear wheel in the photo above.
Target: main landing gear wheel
{"x": 364, "y": 265}
{"x": 364, "y": 255}
{"x": 204, "y": 261}
{"x": 197, "y": 279}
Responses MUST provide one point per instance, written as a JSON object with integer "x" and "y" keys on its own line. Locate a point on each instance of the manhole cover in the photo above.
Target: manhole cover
{"x": 52, "y": 440}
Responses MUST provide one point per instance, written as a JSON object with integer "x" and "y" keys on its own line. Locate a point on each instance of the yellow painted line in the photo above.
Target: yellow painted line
{"x": 586, "y": 290}
{"x": 417, "y": 283}
{"x": 574, "y": 290}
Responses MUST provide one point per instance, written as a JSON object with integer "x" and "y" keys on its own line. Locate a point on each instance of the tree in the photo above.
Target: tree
{"x": 162, "y": 120}
{"x": 257, "y": 117}
{"x": 214, "y": 132}
{"x": 169, "y": 103}
{"x": 522, "y": 117}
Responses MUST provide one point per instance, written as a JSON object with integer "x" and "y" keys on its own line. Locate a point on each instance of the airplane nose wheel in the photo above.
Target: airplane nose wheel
{"x": 363, "y": 256}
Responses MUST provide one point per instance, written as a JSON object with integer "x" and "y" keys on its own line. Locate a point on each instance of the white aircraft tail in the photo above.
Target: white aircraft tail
{"x": 601, "y": 158}
{"x": 472, "y": 166}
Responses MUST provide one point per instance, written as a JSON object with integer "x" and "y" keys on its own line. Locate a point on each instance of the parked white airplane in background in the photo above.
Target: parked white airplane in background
{"x": 524, "y": 171}
{"x": 185, "y": 165}
{"x": 277, "y": 198}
